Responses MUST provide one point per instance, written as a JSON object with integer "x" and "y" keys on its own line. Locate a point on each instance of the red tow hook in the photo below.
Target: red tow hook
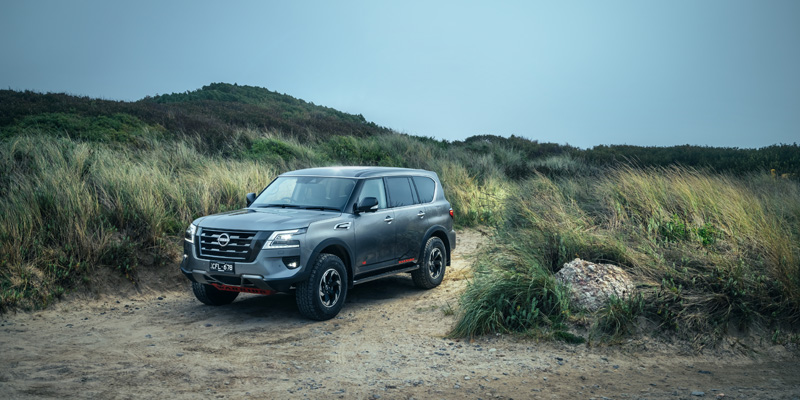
{"x": 243, "y": 289}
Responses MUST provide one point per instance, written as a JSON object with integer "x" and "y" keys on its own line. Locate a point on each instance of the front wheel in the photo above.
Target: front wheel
{"x": 433, "y": 263}
{"x": 323, "y": 294}
{"x": 212, "y": 296}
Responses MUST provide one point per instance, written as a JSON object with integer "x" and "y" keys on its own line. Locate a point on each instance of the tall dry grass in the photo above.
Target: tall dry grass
{"x": 68, "y": 208}
{"x": 712, "y": 251}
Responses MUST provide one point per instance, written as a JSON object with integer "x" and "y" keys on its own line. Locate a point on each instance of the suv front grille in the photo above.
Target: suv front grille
{"x": 239, "y": 248}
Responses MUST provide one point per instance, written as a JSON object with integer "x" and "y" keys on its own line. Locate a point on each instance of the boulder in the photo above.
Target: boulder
{"x": 592, "y": 284}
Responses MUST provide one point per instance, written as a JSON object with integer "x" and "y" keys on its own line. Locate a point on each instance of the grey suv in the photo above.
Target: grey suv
{"x": 320, "y": 231}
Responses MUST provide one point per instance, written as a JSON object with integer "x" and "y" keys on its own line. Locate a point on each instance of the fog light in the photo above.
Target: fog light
{"x": 291, "y": 262}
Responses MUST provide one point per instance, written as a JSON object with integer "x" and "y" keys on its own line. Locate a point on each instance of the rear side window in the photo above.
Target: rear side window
{"x": 399, "y": 192}
{"x": 425, "y": 188}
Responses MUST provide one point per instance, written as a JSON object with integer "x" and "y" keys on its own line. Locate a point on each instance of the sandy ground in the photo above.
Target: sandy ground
{"x": 388, "y": 342}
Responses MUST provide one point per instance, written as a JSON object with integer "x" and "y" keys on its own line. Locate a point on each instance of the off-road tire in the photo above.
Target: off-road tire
{"x": 432, "y": 265}
{"x": 322, "y": 295}
{"x": 212, "y": 296}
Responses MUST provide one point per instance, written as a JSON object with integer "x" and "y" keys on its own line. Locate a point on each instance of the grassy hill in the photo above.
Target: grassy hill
{"x": 95, "y": 185}
{"x": 214, "y": 112}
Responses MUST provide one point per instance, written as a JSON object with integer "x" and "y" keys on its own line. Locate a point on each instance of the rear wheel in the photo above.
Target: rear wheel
{"x": 323, "y": 294}
{"x": 212, "y": 296}
{"x": 433, "y": 263}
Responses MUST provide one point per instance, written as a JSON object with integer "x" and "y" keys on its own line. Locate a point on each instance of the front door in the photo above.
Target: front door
{"x": 375, "y": 231}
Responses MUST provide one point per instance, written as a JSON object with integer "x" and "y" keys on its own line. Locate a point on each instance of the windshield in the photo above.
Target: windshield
{"x": 308, "y": 192}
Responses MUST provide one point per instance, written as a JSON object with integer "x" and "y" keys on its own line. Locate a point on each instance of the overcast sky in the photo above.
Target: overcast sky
{"x": 711, "y": 72}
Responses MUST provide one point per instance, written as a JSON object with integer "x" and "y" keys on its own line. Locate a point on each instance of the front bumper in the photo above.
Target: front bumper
{"x": 267, "y": 272}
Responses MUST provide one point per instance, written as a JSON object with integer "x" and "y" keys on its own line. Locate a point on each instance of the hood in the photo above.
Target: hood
{"x": 264, "y": 219}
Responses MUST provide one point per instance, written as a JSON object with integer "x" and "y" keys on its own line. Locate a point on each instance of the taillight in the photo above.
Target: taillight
{"x": 451, "y": 213}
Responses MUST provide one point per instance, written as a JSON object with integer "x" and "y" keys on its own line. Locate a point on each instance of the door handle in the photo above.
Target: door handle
{"x": 388, "y": 219}
{"x": 421, "y": 214}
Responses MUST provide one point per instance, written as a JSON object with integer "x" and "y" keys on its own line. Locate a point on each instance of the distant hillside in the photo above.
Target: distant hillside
{"x": 288, "y": 107}
{"x": 521, "y": 157}
{"x": 213, "y": 112}
{"x": 781, "y": 160}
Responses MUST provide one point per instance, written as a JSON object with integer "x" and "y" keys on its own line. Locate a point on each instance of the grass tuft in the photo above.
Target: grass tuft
{"x": 510, "y": 292}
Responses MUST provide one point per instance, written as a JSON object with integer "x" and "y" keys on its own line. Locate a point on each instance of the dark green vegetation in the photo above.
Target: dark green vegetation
{"x": 214, "y": 113}
{"x": 91, "y": 185}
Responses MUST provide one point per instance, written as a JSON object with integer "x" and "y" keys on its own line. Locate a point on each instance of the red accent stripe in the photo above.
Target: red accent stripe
{"x": 408, "y": 260}
{"x": 243, "y": 289}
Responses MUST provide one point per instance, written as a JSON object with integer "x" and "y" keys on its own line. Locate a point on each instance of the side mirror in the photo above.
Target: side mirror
{"x": 251, "y": 197}
{"x": 367, "y": 205}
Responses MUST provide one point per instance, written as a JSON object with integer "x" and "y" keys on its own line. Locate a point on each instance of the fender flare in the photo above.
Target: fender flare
{"x": 347, "y": 259}
{"x": 445, "y": 239}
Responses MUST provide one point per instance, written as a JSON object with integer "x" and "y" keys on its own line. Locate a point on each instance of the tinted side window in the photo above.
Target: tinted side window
{"x": 373, "y": 188}
{"x": 399, "y": 192}
{"x": 425, "y": 188}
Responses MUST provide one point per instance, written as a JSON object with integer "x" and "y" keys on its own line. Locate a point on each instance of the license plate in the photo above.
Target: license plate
{"x": 227, "y": 268}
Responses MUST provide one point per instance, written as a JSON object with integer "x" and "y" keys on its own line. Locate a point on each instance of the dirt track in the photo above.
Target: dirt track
{"x": 387, "y": 343}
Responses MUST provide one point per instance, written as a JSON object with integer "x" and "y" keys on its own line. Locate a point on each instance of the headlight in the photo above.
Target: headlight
{"x": 284, "y": 239}
{"x": 190, "y": 231}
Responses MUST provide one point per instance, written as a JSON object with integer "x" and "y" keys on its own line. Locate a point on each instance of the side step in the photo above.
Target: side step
{"x": 385, "y": 274}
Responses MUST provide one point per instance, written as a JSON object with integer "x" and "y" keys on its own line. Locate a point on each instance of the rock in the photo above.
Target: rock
{"x": 592, "y": 284}
{"x": 698, "y": 393}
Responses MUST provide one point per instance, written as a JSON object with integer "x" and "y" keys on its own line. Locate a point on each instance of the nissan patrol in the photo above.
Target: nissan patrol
{"x": 319, "y": 231}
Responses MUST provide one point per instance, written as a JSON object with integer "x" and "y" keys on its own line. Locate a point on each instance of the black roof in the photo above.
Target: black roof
{"x": 358, "y": 172}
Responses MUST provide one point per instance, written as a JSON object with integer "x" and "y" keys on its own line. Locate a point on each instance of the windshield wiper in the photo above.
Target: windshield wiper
{"x": 279, "y": 205}
{"x": 323, "y": 208}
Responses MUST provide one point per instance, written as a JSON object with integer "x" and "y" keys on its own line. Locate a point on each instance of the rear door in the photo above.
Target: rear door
{"x": 409, "y": 218}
